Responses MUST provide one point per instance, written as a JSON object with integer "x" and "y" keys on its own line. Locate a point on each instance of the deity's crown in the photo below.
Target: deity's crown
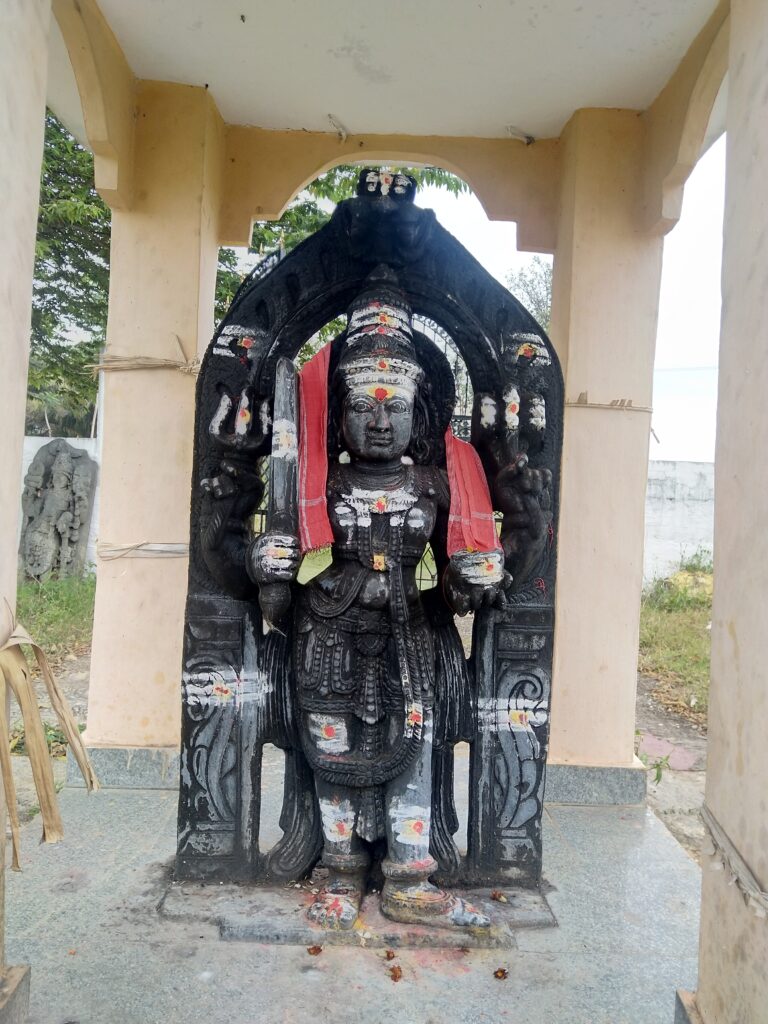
{"x": 378, "y": 182}
{"x": 379, "y": 343}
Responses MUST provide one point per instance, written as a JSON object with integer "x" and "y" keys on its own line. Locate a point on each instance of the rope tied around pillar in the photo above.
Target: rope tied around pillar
{"x": 726, "y": 856}
{"x": 142, "y": 549}
{"x": 617, "y": 404}
{"x": 110, "y": 362}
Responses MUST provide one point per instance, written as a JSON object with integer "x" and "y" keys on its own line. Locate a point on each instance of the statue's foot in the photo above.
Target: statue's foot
{"x": 337, "y": 904}
{"x": 424, "y": 903}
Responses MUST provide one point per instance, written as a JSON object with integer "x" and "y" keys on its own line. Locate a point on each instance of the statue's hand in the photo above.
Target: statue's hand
{"x": 237, "y": 478}
{"x": 524, "y": 496}
{"x": 274, "y": 558}
{"x": 474, "y": 579}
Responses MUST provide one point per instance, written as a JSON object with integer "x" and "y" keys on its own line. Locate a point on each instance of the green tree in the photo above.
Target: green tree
{"x": 71, "y": 285}
{"x": 532, "y": 285}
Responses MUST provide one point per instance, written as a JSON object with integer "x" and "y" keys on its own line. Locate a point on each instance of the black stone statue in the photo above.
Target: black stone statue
{"x": 357, "y": 675}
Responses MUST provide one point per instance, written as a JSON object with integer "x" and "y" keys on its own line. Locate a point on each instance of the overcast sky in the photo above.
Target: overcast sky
{"x": 685, "y": 379}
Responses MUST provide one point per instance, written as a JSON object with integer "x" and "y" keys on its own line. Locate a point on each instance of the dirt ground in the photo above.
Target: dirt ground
{"x": 662, "y": 735}
{"x": 679, "y": 794}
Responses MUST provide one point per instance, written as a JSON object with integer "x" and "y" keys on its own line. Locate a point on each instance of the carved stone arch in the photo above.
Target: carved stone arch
{"x": 444, "y": 283}
{"x": 513, "y": 366}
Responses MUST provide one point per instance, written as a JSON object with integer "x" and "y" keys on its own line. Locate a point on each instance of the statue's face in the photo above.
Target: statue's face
{"x": 378, "y": 421}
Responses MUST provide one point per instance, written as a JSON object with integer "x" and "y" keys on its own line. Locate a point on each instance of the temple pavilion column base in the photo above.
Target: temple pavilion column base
{"x": 595, "y": 784}
{"x": 129, "y": 767}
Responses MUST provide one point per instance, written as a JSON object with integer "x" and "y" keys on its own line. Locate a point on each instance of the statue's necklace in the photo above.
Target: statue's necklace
{"x": 394, "y": 501}
{"x": 398, "y": 496}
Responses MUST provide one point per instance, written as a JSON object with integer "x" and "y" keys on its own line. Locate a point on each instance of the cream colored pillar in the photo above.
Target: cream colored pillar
{"x": 23, "y": 72}
{"x": 733, "y": 977}
{"x": 162, "y": 281}
{"x": 605, "y": 303}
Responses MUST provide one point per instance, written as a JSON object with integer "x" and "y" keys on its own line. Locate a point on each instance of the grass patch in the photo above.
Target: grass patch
{"x": 58, "y": 613}
{"x": 54, "y": 737}
{"x": 674, "y": 635}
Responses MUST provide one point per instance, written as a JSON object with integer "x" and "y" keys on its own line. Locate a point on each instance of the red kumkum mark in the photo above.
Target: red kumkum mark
{"x": 329, "y": 731}
{"x": 425, "y": 863}
{"x": 380, "y": 394}
{"x": 335, "y": 907}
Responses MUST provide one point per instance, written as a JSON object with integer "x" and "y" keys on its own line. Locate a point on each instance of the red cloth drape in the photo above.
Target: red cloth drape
{"x": 471, "y": 526}
{"x": 314, "y": 525}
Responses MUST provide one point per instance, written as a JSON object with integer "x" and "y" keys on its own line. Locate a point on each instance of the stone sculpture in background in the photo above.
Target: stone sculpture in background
{"x": 56, "y": 504}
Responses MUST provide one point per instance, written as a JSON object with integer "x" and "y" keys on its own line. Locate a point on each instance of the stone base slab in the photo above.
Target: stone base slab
{"x": 585, "y": 784}
{"x": 14, "y": 995}
{"x": 129, "y": 767}
{"x": 158, "y": 768}
{"x": 278, "y": 916}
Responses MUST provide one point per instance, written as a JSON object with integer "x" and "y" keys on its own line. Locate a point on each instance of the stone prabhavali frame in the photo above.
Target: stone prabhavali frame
{"x": 237, "y": 685}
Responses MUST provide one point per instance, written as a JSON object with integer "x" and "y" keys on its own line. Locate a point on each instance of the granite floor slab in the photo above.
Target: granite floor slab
{"x": 84, "y": 914}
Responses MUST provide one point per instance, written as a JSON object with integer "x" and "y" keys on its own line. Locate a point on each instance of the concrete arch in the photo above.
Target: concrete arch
{"x": 678, "y": 121}
{"x": 105, "y": 84}
{"x": 265, "y": 169}
{"x": 712, "y": 78}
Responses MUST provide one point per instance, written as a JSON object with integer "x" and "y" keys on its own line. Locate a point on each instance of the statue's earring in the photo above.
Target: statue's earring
{"x": 406, "y": 460}
{"x": 344, "y": 458}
